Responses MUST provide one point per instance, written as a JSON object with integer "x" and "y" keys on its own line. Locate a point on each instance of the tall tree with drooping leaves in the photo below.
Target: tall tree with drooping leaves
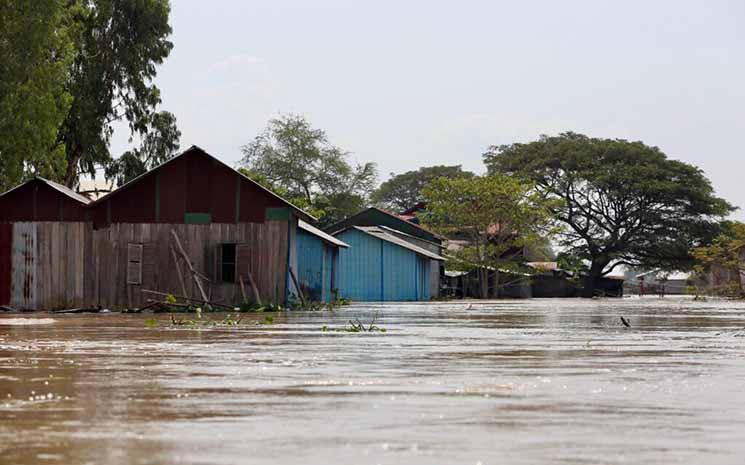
{"x": 621, "y": 202}
{"x": 36, "y": 50}
{"x": 404, "y": 190}
{"x": 294, "y": 158}
{"x": 498, "y": 216}
{"x": 159, "y": 144}
{"x": 119, "y": 45}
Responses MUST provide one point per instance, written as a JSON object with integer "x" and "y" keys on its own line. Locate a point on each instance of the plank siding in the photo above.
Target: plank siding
{"x": 266, "y": 261}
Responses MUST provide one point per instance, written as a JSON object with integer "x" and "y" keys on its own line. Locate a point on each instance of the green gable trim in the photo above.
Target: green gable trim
{"x": 277, "y": 213}
{"x": 197, "y": 218}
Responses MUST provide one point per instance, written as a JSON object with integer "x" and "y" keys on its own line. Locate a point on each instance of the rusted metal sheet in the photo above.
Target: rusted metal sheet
{"x": 23, "y": 259}
{"x": 6, "y": 242}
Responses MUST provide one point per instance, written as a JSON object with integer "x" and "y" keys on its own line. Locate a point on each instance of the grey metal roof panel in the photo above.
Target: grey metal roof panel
{"x": 386, "y": 236}
{"x": 320, "y": 234}
{"x": 66, "y": 190}
{"x": 58, "y": 187}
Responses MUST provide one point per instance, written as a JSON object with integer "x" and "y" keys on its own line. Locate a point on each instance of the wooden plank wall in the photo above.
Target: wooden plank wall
{"x": 107, "y": 274}
{"x": 48, "y": 265}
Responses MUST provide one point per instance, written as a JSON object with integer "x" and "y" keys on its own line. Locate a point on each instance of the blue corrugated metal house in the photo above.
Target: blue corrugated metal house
{"x": 379, "y": 266}
{"x": 317, "y": 260}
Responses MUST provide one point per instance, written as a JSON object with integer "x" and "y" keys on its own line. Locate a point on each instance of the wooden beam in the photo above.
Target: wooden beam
{"x": 194, "y": 273}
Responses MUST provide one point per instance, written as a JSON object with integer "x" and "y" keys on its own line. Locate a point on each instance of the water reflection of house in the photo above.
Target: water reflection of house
{"x": 59, "y": 249}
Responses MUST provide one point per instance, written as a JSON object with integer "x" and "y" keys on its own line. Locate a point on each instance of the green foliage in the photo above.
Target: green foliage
{"x": 119, "y": 43}
{"x": 298, "y": 162}
{"x": 723, "y": 260}
{"x": 36, "y": 50}
{"x": 404, "y": 190}
{"x": 620, "y": 202}
{"x": 497, "y": 216}
{"x": 151, "y": 323}
{"x": 159, "y": 144}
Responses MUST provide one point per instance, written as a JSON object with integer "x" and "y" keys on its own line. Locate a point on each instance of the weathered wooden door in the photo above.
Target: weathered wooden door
{"x": 6, "y": 243}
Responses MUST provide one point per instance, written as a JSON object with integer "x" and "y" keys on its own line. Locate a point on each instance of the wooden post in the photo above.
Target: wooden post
{"x": 178, "y": 271}
{"x": 254, "y": 288}
{"x": 194, "y": 273}
{"x": 297, "y": 286}
{"x": 243, "y": 289}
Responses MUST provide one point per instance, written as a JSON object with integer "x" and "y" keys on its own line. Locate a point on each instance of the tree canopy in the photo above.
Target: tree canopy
{"x": 497, "y": 216}
{"x": 119, "y": 44}
{"x": 160, "y": 143}
{"x": 723, "y": 260}
{"x": 404, "y": 190}
{"x": 36, "y": 50}
{"x": 621, "y": 202}
{"x": 297, "y": 161}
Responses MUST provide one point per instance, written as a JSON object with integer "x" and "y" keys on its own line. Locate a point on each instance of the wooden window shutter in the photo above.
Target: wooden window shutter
{"x": 218, "y": 263}
{"x": 242, "y": 261}
{"x": 134, "y": 264}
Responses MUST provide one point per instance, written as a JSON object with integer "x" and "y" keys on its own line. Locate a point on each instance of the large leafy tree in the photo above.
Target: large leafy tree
{"x": 621, "y": 202}
{"x": 498, "y": 217}
{"x": 36, "y": 50}
{"x": 119, "y": 45}
{"x": 404, "y": 190}
{"x": 724, "y": 260}
{"x": 297, "y": 160}
{"x": 160, "y": 143}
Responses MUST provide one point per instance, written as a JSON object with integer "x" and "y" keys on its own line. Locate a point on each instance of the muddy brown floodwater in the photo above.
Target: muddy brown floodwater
{"x": 528, "y": 382}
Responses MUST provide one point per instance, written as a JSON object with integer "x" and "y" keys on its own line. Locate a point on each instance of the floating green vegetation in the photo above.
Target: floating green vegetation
{"x": 151, "y": 323}
{"x": 268, "y": 320}
{"x": 229, "y": 320}
{"x": 357, "y": 326}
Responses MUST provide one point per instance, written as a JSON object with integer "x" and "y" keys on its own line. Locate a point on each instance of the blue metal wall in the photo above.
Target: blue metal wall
{"x": 376, "y": 270}
{"x": 315, "y": 262}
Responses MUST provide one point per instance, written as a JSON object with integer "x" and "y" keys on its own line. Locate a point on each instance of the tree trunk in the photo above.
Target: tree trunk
{"x": 71, "y": 173}
{"x": 495, "y": 285}
{"x": 592, "y": 277}
{"x": 484, "y": 282}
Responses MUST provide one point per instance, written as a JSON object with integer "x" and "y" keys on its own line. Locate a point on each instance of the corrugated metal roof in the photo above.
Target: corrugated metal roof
{"x": 386, "y": 236}
{"x": 401, "y": 233}
{"x": 58, "y": 187}
{"x": 66, "y": 190}
{"x": 322, "y": 235}
{"x": 196, "y": 148}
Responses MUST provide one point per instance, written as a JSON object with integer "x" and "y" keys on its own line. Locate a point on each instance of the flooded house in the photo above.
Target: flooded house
{"x": 318, "y": 263}
{"x": 400, "y": 229}
{"x": 42, "y": 245}
{"x": 193, "y": 227}
{"x": 380, "y": 265}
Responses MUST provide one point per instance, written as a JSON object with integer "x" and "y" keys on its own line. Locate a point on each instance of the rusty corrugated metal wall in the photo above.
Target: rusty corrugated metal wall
{"x": 23, "y": 259}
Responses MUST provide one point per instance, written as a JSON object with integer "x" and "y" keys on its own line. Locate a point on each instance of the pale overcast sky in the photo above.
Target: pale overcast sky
{"x": 412, "y": 83}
